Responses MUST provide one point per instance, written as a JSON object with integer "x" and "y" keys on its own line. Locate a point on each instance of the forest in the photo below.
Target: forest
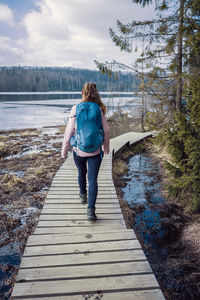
{"x": 38, "y": 79}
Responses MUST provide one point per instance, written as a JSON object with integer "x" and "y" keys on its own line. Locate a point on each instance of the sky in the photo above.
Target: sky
{"x": 64, "y": 33}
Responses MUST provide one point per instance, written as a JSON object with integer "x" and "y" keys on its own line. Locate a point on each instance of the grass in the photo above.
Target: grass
{"x": 30, "y": 133}
{"x": 120, "y": 167}
{"x": 13, "y": 134}
{"x": 11, "y": 182}
{"x": 3, "y": 137}
{"x": 2, "y": 145}
{"x": 120, "y": 123}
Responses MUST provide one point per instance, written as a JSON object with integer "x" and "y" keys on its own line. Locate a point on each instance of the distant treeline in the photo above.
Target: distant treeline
{"x": 38, "y": 79}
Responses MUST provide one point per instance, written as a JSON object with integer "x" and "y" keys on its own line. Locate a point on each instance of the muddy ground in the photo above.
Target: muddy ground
{"x": 29, "y": 160}
{"x": 177, "y": 268}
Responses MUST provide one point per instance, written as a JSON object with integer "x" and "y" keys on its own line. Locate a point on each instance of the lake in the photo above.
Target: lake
{"x": 35, "y": 110}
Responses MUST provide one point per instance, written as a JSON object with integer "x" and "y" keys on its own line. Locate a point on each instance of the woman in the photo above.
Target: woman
{"x": 81, "y": 158}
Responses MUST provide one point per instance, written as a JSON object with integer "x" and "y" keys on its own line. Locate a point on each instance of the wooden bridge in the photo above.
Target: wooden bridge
{"x": 68, "y": 257}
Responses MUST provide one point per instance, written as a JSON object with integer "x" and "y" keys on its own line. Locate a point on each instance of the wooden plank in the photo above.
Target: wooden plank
{"x": 67, "y": 223}
{"x": 65, "y": 174}
{"x": 146, "y": 294}
{"x": 85, "y": 285}
{"x": 78, "y": 206}
{"x": 76, "y": 202}
{"x": 74, "y": 170}
{"x": 77, "y": 216}
{"x": 82, "y": 258}
{"x": 78, "y": 210}
{"x": 75, "y": 191}
{"x": 81, "y": 248}
{"x": 72, "y": 183}
{"x": 71, "y": 230}
{"x": 66, "y": 183}
{"x": 69, "y": 189}
{"x": 76, "y": 196}
{"x": 63, "y": 200}
{"x": 116, "y": 235}
{"x": 84, "y": 271}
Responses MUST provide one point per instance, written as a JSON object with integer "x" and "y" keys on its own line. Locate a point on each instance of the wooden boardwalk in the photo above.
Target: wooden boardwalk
{"x": 68, "y": 257}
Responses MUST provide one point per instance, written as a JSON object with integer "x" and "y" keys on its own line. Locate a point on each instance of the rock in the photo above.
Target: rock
{"x": 190, "y": 237}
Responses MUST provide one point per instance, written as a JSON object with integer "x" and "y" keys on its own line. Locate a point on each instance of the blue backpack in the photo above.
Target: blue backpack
{"x": 89, "y": 133}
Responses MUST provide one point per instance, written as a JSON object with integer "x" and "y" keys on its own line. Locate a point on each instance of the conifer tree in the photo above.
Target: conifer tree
{"x": 172, "y": 59}
{"x": 183, "y": 137}
{"x": 165, "y": 49}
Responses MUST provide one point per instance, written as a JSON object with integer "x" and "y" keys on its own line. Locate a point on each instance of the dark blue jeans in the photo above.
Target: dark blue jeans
{"x": 94, "y": 163}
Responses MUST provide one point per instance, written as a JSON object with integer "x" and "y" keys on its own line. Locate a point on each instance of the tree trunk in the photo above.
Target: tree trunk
{"x": 142, "y": 114}
{"x": 180, "y": 58}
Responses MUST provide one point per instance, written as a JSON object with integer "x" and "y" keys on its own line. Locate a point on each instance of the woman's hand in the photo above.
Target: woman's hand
{"x": 106, "y": 152}
{"x": 64, "y": 155}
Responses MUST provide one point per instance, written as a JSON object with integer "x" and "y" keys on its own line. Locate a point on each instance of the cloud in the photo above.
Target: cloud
{"x": 10, "y": 53}
{"x": 6, "y": 14}
{"x": 73, "y": 32}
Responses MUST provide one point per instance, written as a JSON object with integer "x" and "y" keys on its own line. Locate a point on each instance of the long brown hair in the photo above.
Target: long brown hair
{"x": 90, "y": 93}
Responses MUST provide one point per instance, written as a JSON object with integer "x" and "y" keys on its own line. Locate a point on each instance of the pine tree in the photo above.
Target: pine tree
{"x": 165, "y": 51}
{"x": 183, "y": 137}
{"x": 171, "y": 58}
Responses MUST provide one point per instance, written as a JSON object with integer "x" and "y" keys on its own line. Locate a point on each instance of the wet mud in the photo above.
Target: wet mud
{"x": 29, "y": 160}
{"x": 159, "y": 224}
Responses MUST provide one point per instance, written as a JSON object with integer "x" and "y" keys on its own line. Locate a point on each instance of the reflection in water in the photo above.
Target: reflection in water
{"x": 10, "y": 257}
{"x": 142, "y": 192}
{"x": 11, "y": 254}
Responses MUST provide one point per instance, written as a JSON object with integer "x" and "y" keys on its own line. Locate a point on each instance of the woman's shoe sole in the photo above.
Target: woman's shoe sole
{"x": 91, "y": 219}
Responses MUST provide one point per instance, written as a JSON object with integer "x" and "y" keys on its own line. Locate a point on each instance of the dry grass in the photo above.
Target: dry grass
{"x": 13, "y": 134}
{"x": 159, "y": 153}
{"x": 37, "y": 171}
{"x": 3, "y": 137}
{"x": 2, "y": 145}
{"x": 30, "y": 133}
{"x": 11, "y": 182}
{"x": 120, "y": 123}
{"x": 120, "y": 168}
{"x": 45, "y": 153}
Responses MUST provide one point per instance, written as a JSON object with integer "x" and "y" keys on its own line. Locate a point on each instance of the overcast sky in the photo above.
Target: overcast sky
{"x": 69, "y": 33}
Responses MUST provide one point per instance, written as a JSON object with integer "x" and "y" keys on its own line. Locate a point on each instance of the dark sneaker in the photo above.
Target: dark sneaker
{"x": 83, "y": 198}
{"x": 91, "y": 214}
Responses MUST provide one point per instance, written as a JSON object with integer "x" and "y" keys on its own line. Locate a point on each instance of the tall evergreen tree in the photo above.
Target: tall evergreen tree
{"x": 171, "y": 58}
{"x": 183, "y": 137}
{"x": 165, "y": 52}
